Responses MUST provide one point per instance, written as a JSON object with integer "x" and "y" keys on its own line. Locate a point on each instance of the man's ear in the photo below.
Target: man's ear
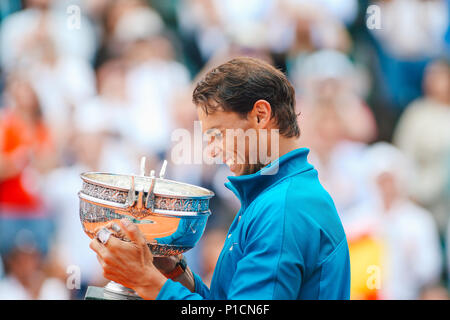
{"x": 261, "y": 114}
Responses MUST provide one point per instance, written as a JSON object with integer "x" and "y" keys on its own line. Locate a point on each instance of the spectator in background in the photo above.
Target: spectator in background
{"x": 27, "y": 150}
{"x": 22, "y": 32}
{"x": 153, "y": 76}
{"x": 423, "y": 134}
{"x": 25, "y": 272}
{"x": 317, "y": 27}
{"x": 26, "y": 153}
{"x": 412, "y": 33}
{"x": 38, "y": 42}
{"x": 122, "y": 22}
{"x": 59, "y": 93}
{"x": 278, "y": 26}
{"x": 336, "y": 124}
{"x": 111, "y": 99}
{"x": 135, "y": 35}
{"x": 201, "y": 27}
{"x": 404, "y": 241}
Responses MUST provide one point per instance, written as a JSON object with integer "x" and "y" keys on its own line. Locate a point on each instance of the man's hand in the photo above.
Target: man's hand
{"x": 130, "y": 263}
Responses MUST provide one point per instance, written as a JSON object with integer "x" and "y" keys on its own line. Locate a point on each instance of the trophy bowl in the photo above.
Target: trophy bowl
{"x": 171, "y": 215}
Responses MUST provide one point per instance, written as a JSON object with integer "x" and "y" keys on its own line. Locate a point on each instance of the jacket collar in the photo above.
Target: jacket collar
{"x": 248, "y": 187}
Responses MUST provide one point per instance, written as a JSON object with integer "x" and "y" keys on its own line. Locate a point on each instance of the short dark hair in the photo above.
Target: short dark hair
{"x": 237, "y": 84}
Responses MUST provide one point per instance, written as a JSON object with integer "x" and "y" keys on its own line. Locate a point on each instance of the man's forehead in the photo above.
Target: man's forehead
{"x": 209, "y": 107}
{"x": 210, "y": 124}
{"x": 210, "y": 120}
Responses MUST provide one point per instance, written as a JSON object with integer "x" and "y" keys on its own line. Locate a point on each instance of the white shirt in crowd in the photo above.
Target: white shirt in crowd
{"x": 51, "y": 289}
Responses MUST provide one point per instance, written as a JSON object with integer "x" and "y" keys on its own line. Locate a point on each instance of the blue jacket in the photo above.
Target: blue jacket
{"x": 286, "y": 241}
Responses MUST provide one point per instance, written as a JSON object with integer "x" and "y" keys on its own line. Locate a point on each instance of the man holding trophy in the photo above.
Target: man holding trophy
{"x": 286, "y": 241}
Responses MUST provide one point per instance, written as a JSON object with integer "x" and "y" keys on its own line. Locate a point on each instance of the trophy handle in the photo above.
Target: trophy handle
{"x": 131, "y": 199}
{"x": 163, "y": 170}
{"x": 150, "y": 201}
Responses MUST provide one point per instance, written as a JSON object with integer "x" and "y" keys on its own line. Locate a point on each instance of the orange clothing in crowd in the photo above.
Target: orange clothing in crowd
{"x": 19, "y": 141}
{"x": 366, "y": 261}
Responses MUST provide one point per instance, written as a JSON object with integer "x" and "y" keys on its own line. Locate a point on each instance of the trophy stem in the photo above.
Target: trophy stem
{"x": 116, "y": 291}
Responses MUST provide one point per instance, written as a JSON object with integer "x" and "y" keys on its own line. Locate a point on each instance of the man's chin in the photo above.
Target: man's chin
{"x": 234, "y": 168}
{"x": 241, "y": 170}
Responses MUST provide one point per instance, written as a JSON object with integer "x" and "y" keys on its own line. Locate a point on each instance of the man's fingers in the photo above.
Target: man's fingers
{"x": 97, "y": 247}
{"x": 114, "y": 243}
{"x": 132, "y": 232}
{"x": 100, "y": 260}
{"x": 102, "y": 249}
{"x": 105, "y": 267}
{"x": 112, "y": 225}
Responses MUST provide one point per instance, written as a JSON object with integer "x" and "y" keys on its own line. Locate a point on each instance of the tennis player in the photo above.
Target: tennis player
{"x": 286, "y": 241}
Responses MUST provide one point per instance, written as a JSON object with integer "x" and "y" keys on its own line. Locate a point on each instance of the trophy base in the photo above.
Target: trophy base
{"x": 112, "y": 291}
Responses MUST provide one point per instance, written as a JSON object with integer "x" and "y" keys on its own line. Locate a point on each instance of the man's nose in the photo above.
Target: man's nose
{"x": 214, "y": 150}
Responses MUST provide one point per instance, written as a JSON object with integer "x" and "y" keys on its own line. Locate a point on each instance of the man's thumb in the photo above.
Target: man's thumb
{"x": 132, "y": 231}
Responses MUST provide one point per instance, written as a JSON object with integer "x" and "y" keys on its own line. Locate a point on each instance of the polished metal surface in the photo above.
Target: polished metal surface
{"x": 171, "y": 215}
{"x": 115, "y": 291}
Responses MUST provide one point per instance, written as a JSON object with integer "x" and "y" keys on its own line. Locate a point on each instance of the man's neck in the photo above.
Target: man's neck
{"x": 287, "y": 145}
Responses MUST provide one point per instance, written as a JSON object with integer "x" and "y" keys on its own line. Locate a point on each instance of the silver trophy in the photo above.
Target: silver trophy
{"x": 171, "y": 215}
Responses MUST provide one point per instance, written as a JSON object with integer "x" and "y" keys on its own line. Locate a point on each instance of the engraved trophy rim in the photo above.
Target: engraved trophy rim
{"x": 143, "y": 183}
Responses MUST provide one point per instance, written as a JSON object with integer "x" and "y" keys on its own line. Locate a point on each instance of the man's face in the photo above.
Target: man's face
{"x": 228, "y": 138}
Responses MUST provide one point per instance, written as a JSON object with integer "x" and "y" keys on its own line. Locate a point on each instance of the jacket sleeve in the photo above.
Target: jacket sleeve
{"x": 271, "y": 266}
{"x": 176, "y": 291}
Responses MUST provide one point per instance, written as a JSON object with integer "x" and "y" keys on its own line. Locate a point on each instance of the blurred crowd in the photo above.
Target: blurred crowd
{"x": 94, "y": 85}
